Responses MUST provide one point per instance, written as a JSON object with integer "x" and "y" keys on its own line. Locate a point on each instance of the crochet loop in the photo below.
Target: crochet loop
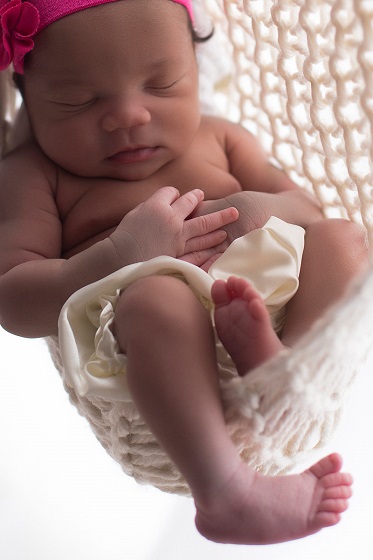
{"x": 19, "y": 22}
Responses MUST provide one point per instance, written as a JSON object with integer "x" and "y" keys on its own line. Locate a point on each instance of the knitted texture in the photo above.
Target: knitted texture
{"x": 302, "y": 81}
{"x": 299, "y": 75}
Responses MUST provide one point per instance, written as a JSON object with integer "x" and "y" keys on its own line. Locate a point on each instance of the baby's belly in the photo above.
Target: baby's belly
{"x": 100, "y": 209}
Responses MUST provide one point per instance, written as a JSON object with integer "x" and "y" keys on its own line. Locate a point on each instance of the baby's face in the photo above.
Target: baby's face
{"x": 112, "y": 91}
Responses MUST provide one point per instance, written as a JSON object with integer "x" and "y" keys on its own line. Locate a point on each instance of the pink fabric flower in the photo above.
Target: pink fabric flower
{"x": 19, "y": 22}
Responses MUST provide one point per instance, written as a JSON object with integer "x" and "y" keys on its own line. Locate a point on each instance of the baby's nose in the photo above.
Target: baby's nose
{"x": 127, "y": 113}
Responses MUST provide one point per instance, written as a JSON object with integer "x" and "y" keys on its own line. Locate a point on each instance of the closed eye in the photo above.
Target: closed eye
{"x": 160, "y": 87}
{"x": 165, "y": 87}
{"x": 74, "y": 105}
{"x": 154, "y": 88}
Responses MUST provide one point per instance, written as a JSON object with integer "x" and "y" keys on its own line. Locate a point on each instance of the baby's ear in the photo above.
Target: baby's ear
{"x": 19, "y": 131}
{"x": 7, "y": 103}
{"x": 14, "y": 123}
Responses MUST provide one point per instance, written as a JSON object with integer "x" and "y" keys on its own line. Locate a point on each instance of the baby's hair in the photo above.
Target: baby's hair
{"x": 18, "y": 82}
{"x": 196, "y": 37}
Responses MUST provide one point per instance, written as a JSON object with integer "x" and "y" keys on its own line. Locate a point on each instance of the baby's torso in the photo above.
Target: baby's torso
{"x": 91, "y": 208}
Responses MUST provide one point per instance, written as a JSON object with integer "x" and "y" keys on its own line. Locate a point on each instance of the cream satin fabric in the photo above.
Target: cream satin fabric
{"x": 269, "y": 258}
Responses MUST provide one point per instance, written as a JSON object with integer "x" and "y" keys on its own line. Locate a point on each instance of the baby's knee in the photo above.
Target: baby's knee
{"x": 146, "y": 295}
{"x": 342, "y": 245}
{"x": 153, "y": 307}
{"x": 154, "y": 300}
{"x": 342, "y": 239}
{"x": 142, "y": 308}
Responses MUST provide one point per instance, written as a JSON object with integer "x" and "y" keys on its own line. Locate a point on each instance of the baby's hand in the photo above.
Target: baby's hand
{"x": 295, "y": 206}
{"x": 162, "y": 226}
{"x": 252, "y": 213}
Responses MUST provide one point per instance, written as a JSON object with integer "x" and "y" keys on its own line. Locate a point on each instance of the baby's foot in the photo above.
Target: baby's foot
{"x": 256, "y": 509}
{"x": 243, "y": 324}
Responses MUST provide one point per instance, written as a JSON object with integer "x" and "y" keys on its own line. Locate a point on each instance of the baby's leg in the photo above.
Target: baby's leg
{"x": 243, "y": 324}
{"x": 172, "y": 375}
{"x": 335, "y": 253}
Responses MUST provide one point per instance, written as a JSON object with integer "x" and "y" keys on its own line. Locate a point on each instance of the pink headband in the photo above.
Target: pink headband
{"x": 21, "y": 20}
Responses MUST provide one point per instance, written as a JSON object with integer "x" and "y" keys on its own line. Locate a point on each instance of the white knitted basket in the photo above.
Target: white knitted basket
{"x": 299, "y": 75}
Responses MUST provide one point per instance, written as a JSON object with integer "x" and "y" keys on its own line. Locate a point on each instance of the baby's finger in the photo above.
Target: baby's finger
{"x": 210, "y": 261}
{"x": 188, "y": 202}
{"x": 207, "y": 241}
{"x": 165, "y": 195}
{"x": 210, "y": 222}
{"x": 200, "y": 258}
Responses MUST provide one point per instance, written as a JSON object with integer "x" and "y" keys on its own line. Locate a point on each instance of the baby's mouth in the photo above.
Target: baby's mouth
{"x": 133, "y": 154}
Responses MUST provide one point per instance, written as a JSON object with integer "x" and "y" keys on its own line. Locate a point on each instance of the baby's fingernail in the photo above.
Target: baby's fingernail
{"x": 234, "y": 212}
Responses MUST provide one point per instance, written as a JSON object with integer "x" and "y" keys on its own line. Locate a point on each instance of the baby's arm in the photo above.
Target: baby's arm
{"x": 266, "y": 191}
{"x": 35, "y": 281}
{"x": 265, "y": 185}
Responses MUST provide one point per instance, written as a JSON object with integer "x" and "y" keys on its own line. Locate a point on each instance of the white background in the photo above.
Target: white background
{"x": 63, "y": 498}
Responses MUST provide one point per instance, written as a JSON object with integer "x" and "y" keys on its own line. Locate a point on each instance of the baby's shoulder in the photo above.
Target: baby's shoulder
{"x": 27, "y": 164}
{"x": 217, "y": 125}
{"x": 220, "y": 125}
{"x": 225, "y": 131}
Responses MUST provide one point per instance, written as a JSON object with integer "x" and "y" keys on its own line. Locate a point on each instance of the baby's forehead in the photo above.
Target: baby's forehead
{"x": 114, "y": 34}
